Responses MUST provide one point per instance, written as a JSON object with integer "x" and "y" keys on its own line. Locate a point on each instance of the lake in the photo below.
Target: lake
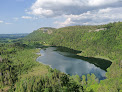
{"x": 66, "y": 60}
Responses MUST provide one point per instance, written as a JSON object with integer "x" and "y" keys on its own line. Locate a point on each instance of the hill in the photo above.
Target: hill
{"x": 103, "y": 41}
{"x": 19, "y": 71}
{"x": 42, "y": 34}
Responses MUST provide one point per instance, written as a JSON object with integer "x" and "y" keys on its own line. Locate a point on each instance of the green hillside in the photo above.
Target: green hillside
{"x": 19, "y": 71}
{"x": 103, "y": 41}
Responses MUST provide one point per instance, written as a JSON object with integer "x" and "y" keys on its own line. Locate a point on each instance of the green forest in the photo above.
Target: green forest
{"x": 19, "y": 71}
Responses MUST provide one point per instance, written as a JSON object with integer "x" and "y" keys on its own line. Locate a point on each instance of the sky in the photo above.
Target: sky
{"x": 25, "y": 16}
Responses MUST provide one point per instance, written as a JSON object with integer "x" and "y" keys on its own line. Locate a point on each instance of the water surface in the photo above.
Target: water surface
{"x": 67, "y": 61}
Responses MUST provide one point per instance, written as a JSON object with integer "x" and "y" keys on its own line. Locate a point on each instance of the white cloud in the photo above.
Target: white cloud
{"x": 54, "y": 8}
{"x": 78, "y": 12}
{"x": 1, "y": 21}
{"x": 101, "y": 2}
{"x": 94, "y": 17}
{"x": 40, "y": 11}
{"x": 4, "y": 22}
{"x": 8, "y": 23}
{"x": 105, "y": 10}
{"x": 26, "y": 17}
{"x": 65, "y": 23}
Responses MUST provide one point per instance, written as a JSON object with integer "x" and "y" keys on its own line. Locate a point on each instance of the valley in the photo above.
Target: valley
{"x": 20, "y": 72}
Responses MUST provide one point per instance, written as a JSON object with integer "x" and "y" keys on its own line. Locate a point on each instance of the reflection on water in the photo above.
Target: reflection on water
{"x": 69, "y": 63}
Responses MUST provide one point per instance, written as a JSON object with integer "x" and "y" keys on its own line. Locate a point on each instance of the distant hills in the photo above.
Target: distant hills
{"x": 13, "y": 35}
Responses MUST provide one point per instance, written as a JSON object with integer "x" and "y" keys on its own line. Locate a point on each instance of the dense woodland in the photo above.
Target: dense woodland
{"x": 20, "y": 72}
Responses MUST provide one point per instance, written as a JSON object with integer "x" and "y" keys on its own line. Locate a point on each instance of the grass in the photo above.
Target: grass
{"x": 103, "y": 57}
{"x": 39, "y": 70}
{"x": 5, "y": 89}
{"x": 97, "y": 56}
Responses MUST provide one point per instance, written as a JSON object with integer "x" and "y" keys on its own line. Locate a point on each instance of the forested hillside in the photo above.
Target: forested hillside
{"x": 19, "y": 71}
{"x": 103, "y": 41}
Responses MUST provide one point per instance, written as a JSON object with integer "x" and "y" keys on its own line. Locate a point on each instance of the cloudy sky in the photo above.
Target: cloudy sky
{"x": 24, "y": 16}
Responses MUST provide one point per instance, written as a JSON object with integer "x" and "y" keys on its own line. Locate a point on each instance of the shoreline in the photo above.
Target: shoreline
{"x": 61, "y": 71}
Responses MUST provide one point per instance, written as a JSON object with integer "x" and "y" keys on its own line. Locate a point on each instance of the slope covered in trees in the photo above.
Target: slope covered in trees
{"x": 105, "y": 42}
{"x": 20, "y": 72}
{"x": 94, "y": 41}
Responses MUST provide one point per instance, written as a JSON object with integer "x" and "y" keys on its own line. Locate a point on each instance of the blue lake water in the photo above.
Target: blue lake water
{"x": 72, "y": 64}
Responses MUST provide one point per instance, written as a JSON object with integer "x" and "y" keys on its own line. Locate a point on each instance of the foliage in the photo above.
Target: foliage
{"x": 94, "y": 41}
{"x": 20, "y": 72}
